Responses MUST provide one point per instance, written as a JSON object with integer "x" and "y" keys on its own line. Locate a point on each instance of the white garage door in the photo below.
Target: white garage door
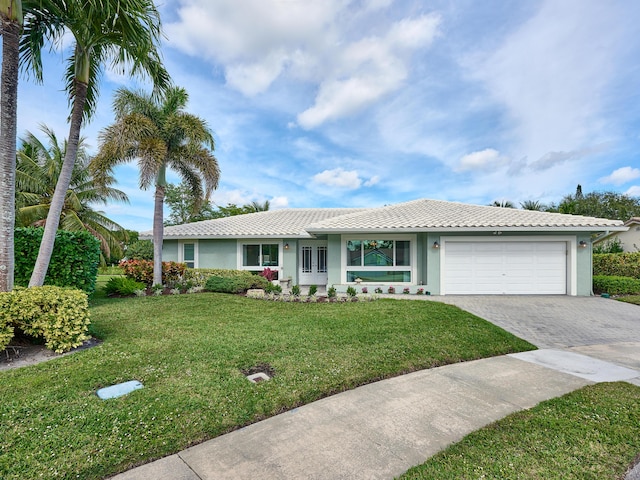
{"x": 505, "y": 268}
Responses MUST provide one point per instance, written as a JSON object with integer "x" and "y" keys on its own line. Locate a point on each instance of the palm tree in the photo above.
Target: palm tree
{"x": 532, "y": 205}
{"x": 37, "y": 171}
{"x": 256, "y": 206}
{"x": 125, "y": 33}
{"x": 160, "y": 135}
{"x": 11, "y": 24}
{"x": 10, "y": 27}
{"x": 502, "y": 203}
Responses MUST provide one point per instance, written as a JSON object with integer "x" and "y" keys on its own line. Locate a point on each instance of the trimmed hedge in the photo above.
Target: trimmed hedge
{"x": 199, "y": 276}
{"x": 74, "y": 261}
{"x": 235, "y": 283}
{"x": 617, "y": 264}
{"x": 58, "y": 315}
{"x": 616, "y": 285}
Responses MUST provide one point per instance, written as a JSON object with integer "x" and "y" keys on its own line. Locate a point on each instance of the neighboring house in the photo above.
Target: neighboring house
{"x": 629, "y": 240}
{"x": 442, "y": 247}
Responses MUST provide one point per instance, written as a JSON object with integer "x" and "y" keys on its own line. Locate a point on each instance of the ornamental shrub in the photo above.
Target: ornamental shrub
{"x": 615, "y": 285}
{"x": 142, "y": 271}
{"x": 140, "y": 250}
{"x": 199, "y": 276}
{"x": 331, "y": 292}
{"x": 313, "y": 289}
{"x": 6, "y": 329}
{"x": 351, "y": 291}
{"x": 74, "y": 261}
{"x": 226, "y": 285}
{"x": 123, "y": 286}
{"x": 58, "y": 315}
{"x": 617, "y": 264}
{"x": 295, "y": 290}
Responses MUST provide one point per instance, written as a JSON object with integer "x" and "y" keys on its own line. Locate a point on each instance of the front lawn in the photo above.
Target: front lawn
{"x": 591, "y": 433}
{"x": 189, "y": 352}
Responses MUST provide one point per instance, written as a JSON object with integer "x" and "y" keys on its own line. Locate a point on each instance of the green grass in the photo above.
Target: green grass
{"x": 635, "y": 299}
{"x": 591, "y": 433}
{"x": 189, "y": 350}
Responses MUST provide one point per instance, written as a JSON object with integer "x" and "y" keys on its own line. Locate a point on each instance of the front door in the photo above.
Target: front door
{"x": 313, "y": 262}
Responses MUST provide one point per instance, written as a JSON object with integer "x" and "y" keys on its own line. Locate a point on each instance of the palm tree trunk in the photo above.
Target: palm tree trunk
{"x": 8, "y": 121}
{"x": 64, "y": 179}
{"x": 158, "y": 234}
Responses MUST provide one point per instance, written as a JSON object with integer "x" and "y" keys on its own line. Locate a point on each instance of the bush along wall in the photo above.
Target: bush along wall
{"x": 617, "y": 264}
{"x": 60, "y": 316}
{"x": 74, "y": 261}
{"x": 616, "y": 285}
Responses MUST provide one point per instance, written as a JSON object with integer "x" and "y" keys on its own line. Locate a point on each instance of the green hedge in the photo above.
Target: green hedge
{"x": 58, "y": 315}
{"x": 617, "y": 264}
{"x": 74, "y": 261}
{"x": 234, "y": 283}
{"x": 199, "y": 276}
{"x": 616, "y": 285}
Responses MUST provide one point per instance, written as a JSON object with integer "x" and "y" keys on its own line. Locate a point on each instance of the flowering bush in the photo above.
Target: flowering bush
{"x": 142, "y": 271}
{"x": 420, "y": 291}
{"x": 268, "y": 274}
{"x": 365, "y": 290}
{"x": 391, "y": 290}
{"x": 406, "y": 291}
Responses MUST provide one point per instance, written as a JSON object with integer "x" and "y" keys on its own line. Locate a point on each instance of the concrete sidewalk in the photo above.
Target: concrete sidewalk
{"x": 380, "y": 430}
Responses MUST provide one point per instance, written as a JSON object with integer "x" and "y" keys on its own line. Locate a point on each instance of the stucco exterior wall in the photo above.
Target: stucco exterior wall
{"x": 629, "y": 240}
{"x": 170, "y": 251}
{"x": 217, "y": 254}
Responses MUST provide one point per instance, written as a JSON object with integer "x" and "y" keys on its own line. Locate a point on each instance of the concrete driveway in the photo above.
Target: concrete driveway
{"x": 598, "y": 327}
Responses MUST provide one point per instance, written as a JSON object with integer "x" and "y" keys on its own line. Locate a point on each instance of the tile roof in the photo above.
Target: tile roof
{"x": 432, "y": 215}
{"x": 273, "y": 223}
{"x": 415, "y": 216}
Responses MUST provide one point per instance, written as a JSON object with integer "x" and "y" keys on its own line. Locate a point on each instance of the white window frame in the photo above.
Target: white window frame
{"x": 413, "y": 257}
{"x": 259, "y": 241}
{"x": 181, "y": 244}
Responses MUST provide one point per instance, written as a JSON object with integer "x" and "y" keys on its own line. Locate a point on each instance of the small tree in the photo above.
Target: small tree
{"x": 613, "y": 245}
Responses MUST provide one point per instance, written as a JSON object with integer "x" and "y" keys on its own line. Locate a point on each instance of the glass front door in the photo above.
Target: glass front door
{"x": 313, "y": 262}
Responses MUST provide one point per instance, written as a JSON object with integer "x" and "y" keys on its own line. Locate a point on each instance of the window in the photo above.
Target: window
{"x": 188, "y": 253}
{"x": 385, "y": 260}
{"x": 258, "y": 256}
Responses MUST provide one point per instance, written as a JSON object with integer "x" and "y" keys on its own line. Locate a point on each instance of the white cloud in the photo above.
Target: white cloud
{"x": 633, "y": 191}
{"x": 279, "y": 202}
{"x": 347, "y": 179}
{"x": 372, "y": 181}
{"x": 339, "y": 178}
{"x": 369, "y": 69}
{"x": 484, "y": 160}
{"x": 552, "y": 74}
{"x": 621, "y": 176}
{"x": 328, "y": 44}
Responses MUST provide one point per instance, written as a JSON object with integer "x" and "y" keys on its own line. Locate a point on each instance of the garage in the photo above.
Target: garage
{"x": 504, "y": 267}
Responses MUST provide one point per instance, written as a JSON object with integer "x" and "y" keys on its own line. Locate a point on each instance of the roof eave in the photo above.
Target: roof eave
{"x": 591, "y": 229}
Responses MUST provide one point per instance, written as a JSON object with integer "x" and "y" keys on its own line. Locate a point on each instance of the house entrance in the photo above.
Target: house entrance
{"x": 313, "y": 262}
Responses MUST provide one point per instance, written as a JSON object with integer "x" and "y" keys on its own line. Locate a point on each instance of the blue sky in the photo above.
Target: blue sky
{"x": 350, "y": 103}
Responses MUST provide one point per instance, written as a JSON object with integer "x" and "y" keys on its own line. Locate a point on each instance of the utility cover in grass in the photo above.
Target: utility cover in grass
{"x": 119, "y": 389}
